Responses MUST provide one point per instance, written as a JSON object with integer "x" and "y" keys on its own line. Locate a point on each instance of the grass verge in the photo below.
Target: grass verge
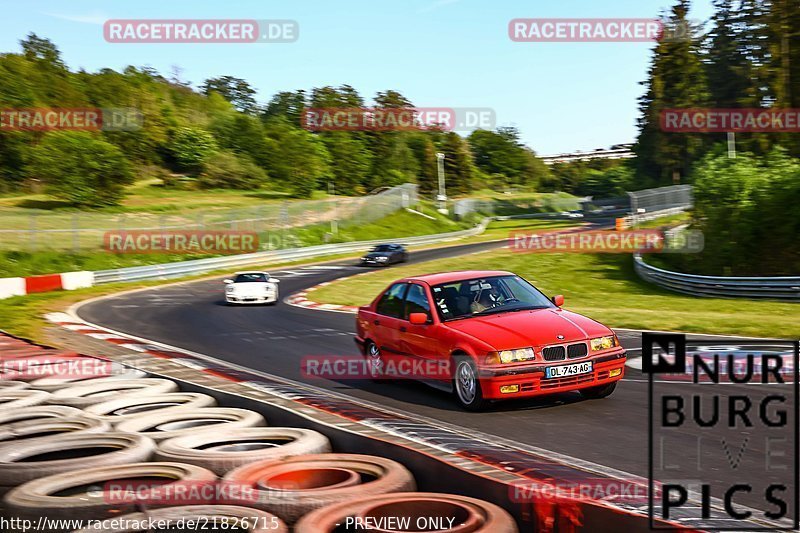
{"x": 604, "y": 287}
{"x": 393, "y": 226}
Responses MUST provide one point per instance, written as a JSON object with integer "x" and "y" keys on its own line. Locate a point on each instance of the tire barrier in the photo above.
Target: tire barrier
{"x": 407, "y": 512}
{"x": 228, "y": 517}
{"x": 161, "y": 426}
{"x": 80, "y": 494}
{"x": 37, "y": 412}
{"x": 22, "y": 398}
{"x": 102, "y": 389}
{"x": 295, "y": 486}
{"x": 222, "y": 453}
{"x": 25, "y": 460}
{"x": 8, "y": 384}
{"x": 51, "y": 427}
{"x": 116, "y": 411}
{"x": 56, "y": 382}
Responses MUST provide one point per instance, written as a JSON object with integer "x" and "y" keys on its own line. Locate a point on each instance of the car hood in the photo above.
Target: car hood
{"x": 520, "y": 329}
{"x": 377, "y": 254}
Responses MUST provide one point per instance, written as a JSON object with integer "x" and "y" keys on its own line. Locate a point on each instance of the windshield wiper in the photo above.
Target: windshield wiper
{"x": 507, "y": 309}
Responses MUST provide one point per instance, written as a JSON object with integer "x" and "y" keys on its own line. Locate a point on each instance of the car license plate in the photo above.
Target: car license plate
{"x": 564, "y": 371}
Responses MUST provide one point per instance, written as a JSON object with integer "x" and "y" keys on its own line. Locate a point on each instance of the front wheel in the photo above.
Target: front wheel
{"x": 595, "y": 393}
{"x": 467, "y": 386}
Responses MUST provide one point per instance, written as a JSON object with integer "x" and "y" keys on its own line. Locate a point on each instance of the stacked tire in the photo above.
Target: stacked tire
{"x": 129, "y": 450}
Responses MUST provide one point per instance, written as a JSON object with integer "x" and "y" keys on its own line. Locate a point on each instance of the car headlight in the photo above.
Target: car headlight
{"x": 230, "y": 288}
{"x": 510, "y": 356}
{"x": 382, "y": 259}
{"x": 603, "y": 343}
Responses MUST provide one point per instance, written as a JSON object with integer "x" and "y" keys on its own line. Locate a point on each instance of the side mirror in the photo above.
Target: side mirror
{"x": 418, "y": 318}
{"x": 227, "y": 281}
{"x": 274, "y": 280}
{"x": 558, "y": 299}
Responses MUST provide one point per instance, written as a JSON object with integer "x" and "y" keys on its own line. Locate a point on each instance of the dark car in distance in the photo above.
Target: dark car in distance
{"x": 385, "y": 254}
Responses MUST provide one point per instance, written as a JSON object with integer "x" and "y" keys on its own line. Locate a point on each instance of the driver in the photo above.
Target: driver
{"x": 485, "y": 299}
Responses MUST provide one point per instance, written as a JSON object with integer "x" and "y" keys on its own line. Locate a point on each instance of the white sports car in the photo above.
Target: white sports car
{"x": 251, "y": 288}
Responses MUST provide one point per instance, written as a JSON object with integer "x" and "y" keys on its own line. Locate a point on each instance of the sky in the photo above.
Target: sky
{"x": 438, "y": 53}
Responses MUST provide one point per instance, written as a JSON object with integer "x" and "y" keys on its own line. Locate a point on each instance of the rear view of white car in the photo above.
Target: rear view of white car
{"x": 251, "y": 288}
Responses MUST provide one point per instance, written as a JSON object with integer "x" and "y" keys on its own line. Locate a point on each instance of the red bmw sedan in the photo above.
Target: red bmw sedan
{"x": 497, "y": 336}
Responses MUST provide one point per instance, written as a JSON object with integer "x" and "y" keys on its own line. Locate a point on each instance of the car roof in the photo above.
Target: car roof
{"x": 449, "y": 277}
{"x": 251, "y": 272}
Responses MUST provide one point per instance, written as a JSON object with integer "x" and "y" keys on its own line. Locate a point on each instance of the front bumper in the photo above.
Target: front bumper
{"x": 264, "y": 299}
{"x": 531, "y": 379}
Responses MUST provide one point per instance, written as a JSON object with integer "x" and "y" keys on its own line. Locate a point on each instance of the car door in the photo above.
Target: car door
{"x": 419, "y": 341}
{"x": 388, "y": 319}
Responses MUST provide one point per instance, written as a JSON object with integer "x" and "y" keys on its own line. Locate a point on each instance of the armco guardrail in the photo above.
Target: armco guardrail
{"x": 199, "y": 266}
{"x": 779, "y": 288}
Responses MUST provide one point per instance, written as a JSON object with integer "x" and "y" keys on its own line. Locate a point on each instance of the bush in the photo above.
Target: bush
{"x": 747, "y": 208}
{"x": 81, "y": 168}
{"x": 190, "y": 147}
{"x": 226, "y": 170}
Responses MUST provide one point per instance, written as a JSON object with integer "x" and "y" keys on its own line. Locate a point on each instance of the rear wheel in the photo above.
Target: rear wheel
{"x": 375, "y": 363}
{"x": 594, "y": 393}
{"x": 466, "y": 385}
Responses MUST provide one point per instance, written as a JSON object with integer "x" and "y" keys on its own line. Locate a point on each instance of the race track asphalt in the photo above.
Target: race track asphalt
{"x": 273, "y": 339}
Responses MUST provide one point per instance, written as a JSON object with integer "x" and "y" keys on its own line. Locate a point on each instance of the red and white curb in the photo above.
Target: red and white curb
{"x": 301, "y": 299}
{"x": 68, "y": 281}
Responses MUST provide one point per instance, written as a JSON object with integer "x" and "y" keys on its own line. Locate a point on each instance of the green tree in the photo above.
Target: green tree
{"x": 743, "y": 206}
{"x": 81, "y": 168}
{"x": 227, "y": 170}
{"x": 353, "y": 161}
{"x": 457, "y": 164}
{"x": 676, "y": 79}
{"x": 235, "y": 90}
{"x": 242, "y": 134}
{"x": 299, "y": 161}
{"x": 190, "y": 147}
{"x": 287, "y": 105}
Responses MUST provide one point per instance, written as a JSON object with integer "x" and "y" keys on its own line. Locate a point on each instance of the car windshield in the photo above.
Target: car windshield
{"x": 250, "y": 278}
{"x": 383, "y": 248}
{"x": 484, "y": 296}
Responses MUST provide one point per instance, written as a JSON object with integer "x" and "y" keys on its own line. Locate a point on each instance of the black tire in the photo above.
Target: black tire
{"x": 371, "y": 353}
{"x": 469, "y": 397}
{"x": 595, "y": 393}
